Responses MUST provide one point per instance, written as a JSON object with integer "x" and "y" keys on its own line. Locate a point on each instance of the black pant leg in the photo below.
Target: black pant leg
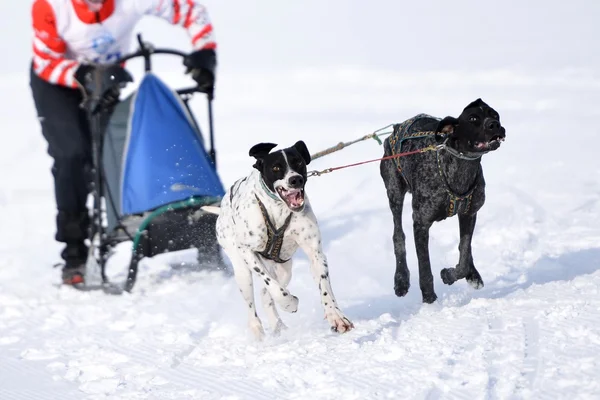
{"x": 66, "y": 129}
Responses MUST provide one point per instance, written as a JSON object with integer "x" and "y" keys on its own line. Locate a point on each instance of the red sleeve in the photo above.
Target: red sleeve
{"x": 189, "y": 14}
{"x": 49, "y": 61}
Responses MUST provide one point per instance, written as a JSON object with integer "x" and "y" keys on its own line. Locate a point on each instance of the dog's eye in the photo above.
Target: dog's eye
{"x": 276, "y": 168}
{"x": 473, "y": 118}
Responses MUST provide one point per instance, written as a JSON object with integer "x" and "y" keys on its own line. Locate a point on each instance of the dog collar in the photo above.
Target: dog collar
{"x": 462, "y": 155}
{"x": 268, "y": 191}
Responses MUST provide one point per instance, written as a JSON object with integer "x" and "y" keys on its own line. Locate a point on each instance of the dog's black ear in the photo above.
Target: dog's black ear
{"x": 447, "y": 125}
{"x": 303, "y": 150}
{"x": 476, "y": 103}
{"x": 259, "y": 151}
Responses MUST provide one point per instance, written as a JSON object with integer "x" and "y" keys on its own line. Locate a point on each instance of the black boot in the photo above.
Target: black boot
{"x": 75, "y": 256}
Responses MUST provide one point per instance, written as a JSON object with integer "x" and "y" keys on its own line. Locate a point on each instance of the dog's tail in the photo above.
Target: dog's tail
{"x": 211, "y": 209}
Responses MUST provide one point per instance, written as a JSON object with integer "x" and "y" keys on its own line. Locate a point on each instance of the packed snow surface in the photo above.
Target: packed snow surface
{"x": 531, "y": 332}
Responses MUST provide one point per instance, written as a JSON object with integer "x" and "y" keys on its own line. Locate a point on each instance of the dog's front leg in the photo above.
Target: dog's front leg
{"x": 421, "y": 232}
{"x": 466, "y": 267}
{"x": 282, "y": 296}
{"x": 311, "y": 244}
{"x": 338, "y": 321}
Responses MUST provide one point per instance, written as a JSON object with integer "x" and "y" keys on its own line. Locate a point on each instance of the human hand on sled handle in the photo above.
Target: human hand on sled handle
{"x": 202, "y": 64}
{"x": 104, "y": 77}
{"x": 102, "y": 81}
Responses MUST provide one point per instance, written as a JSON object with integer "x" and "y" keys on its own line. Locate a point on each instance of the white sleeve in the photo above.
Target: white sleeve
{"x": 189, "y": 14}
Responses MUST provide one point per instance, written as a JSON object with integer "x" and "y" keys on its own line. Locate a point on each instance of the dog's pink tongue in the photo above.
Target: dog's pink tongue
{"x": 296, "y": 199}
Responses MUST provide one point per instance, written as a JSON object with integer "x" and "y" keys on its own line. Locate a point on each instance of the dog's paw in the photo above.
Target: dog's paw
{"x": 474, "y": 279}
{"x": 279, "y": 327}
{"x": 257, "y": 329}
{"x": 338, "y": 321}
{"x": 289, "y": 303}
{"x": 401, "y": 282}
{"x": 401, "y": 288}
{"x": 429, "y": 298}
{"x": 447, "y": 276}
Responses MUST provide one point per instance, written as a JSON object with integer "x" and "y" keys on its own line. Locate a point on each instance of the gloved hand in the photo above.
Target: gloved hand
{"x": 102, "y": 82}
{"x": 201, "y": 64}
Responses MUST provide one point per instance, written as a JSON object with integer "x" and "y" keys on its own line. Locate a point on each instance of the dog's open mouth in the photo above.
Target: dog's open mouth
{"x": 490, "y": 145}
{"x": 294, "y": 198}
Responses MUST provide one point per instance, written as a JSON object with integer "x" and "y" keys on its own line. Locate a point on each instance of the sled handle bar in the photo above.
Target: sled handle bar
{"x": 147, "y": 52}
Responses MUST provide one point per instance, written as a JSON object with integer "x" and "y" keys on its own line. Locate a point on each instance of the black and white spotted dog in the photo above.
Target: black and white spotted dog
{"x": 263, "y": 219}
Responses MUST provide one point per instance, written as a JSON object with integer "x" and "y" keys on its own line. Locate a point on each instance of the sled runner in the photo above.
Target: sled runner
{"x": 152, "y": 172}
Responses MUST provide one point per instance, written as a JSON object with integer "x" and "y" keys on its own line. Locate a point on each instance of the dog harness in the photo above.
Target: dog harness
{"x": 457, "y": 203}
{"x": 274, "y": 236}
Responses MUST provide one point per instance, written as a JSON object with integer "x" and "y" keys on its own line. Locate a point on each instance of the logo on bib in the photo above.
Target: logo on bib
{"x": 102, "y": 44}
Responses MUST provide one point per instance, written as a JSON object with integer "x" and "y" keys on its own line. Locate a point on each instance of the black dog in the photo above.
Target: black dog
{"x": 444, "y": 182}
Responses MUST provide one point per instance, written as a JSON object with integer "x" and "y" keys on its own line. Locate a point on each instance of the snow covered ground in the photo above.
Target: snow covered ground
{"x": 533, "y": 331}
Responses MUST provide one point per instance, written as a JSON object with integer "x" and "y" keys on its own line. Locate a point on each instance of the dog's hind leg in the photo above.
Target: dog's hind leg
{"x": 396, "y": 190}
{"x": 283, "y": 274}
{"x": 466, "y": 267}
{"x": 421, "y": 232}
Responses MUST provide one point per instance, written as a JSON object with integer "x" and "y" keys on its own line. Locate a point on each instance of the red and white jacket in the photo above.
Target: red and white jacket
{"x": 67, "y": 33}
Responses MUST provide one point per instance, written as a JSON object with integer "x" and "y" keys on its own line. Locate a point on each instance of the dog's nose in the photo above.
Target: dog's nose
{"x": 296, "y": 181}
{"x": 492, "y": 125}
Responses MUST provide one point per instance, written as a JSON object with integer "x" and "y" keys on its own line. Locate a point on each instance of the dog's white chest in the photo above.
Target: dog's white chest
{"x": 271, "y": 232}
{"x": 273, "y": 229}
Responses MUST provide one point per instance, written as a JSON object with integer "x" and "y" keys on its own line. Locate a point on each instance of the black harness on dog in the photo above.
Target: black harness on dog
{"x": 274, "y": 236}
{"x": 457, "y": 203}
